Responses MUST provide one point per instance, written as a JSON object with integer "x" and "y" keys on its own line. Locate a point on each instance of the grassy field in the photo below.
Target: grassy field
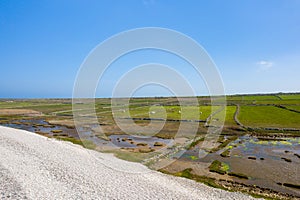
{"x": 290, "y": 97}
{"x": 256, "y": 110}
{"x": 50, "y": 108}
{"x": 268, "y": 116}
{"x": 229, "y": 118}
{"x": 297, "y": 108}
{"x": 171, "y": 112}
{"x": 253, "y": 98}
{"x": 16, "y": 104}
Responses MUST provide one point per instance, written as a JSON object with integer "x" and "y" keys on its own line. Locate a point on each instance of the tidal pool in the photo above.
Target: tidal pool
{"x": 131, "y": 141}
{"x": 268, "y": 163}
{"x": 117, "y": 141}
{"x": 41, "y": 126}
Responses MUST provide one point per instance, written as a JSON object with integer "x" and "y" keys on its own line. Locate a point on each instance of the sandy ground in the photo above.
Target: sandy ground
{"x": 36, "y": 167}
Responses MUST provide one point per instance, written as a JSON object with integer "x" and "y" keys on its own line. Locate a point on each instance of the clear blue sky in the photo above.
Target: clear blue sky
{"x": 255, "y": 44}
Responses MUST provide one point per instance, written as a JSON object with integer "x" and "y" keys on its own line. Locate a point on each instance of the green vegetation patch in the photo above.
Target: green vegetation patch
{"x": 85, "y": 143}
{"x": 252, "y": 97}
{"x": 229, "y": 117}
{"x": 49, "y": 108}
{"x": 175, "y": 112}
{"x": 296, "y": 108}
{"x": 195, "y": 142}
{"x": 223, "y": 168}
{"x": 129, "y": 156}
{"x": 290, "y": 96}
{"x": 187, "y": 173}
{"x": 224, "y": 142}
{"x": 56, "y": 131}
{"x": 219, "y": 167}
{"x": 268, "y": 116}
{"x": 193, "y": 158}
{"x": 16, "y": 104}
{"x": 225, "y": 153}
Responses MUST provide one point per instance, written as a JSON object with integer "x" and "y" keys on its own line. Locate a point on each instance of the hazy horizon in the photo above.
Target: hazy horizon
{"x": 238, "y": 94}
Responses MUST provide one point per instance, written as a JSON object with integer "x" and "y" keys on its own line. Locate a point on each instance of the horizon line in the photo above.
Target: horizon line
{"x": 236, "y": 94}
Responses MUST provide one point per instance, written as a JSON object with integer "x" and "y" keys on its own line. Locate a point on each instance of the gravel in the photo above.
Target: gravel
{"x": 36, "y": 167}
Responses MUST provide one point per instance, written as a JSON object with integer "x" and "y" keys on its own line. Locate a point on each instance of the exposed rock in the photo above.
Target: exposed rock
{"x": 286, "y": 159}
{"x": 297, "y": 155}
{"x": 141, "y": 144}
{"x": 145, "y": 150}
{"x": 56, "y": 131}
{"x": 158, "y": 144}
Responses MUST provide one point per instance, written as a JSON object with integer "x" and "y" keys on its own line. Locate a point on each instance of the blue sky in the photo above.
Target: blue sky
{"x": 255, "y": 44}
